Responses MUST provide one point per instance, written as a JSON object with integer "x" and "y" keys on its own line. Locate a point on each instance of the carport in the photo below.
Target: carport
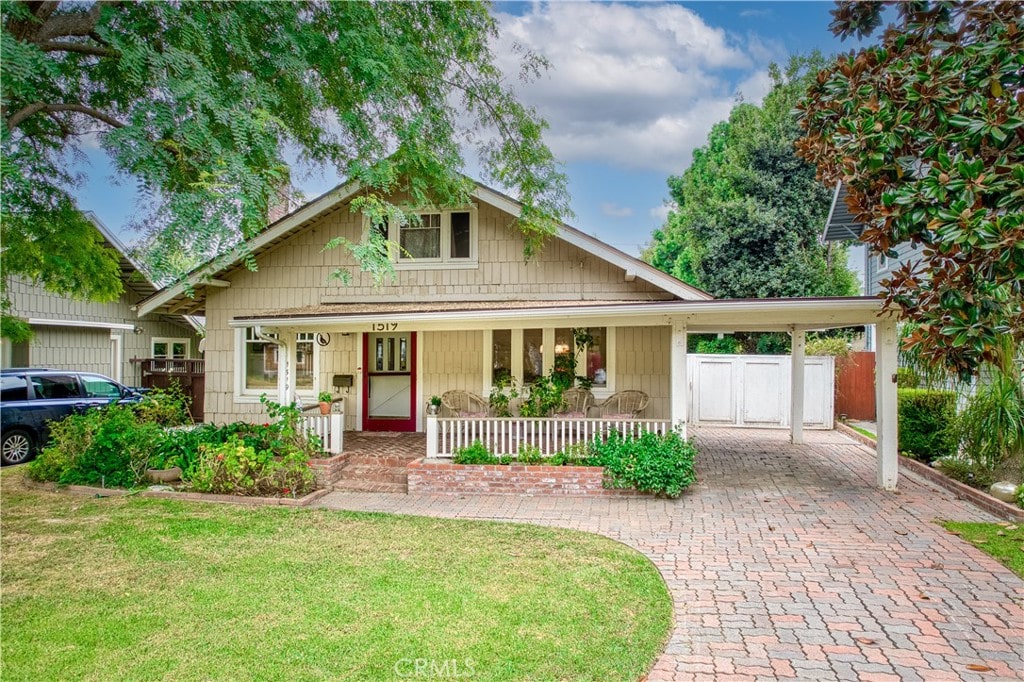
{"x": 796, "y": 316}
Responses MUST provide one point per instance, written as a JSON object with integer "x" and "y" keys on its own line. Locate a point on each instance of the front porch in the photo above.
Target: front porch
{"x": 387, "y": 362}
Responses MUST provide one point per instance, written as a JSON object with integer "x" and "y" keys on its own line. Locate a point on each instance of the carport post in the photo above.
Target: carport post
{"x": 796, "y": 387}
{"x": 680, "y": 382}
{"x": 886, "y": 361}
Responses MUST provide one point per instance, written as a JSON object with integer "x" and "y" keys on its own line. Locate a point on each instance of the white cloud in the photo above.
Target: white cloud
{"x": 613, "y": 210}
{"x": 638, "y": 86}
{"x": 660, "y": 213}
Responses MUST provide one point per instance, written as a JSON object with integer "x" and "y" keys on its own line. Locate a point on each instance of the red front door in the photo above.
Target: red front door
{"x": 389, "y": 381}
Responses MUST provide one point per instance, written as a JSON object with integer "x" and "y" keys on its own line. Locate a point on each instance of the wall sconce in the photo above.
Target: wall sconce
{"x": 138, "y": 330}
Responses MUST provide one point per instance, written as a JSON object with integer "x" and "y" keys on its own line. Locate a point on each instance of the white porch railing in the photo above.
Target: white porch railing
{"x": 505, "y": 436}
{"x": 330, "y": 428}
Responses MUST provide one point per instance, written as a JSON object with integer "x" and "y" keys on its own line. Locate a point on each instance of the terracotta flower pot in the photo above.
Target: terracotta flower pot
{"x": 325, "y": 408}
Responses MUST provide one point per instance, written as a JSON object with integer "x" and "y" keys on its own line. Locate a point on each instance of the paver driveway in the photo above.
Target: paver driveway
{"x": 786, "y": 562}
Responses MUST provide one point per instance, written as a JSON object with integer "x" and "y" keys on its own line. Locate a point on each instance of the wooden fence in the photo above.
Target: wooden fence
{"x": 855, "y": 386}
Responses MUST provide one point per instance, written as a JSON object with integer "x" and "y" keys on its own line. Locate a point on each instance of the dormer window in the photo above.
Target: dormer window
{"x": 436, "y": 239}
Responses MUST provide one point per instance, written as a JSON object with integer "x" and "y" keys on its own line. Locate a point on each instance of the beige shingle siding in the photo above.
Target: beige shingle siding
{"x": 642, "y": 356}
{"x": 296, "y": 273}
{"x": 88, "y": 349}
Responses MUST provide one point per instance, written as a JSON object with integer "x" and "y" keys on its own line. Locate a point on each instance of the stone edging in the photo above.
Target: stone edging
{"x": 976, "y": 497}
{"x": 192, "y": 497}
{"x": 434, "y": 477}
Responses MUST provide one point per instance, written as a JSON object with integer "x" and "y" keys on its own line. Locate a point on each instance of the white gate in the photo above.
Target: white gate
{"x": 753, "y": 390}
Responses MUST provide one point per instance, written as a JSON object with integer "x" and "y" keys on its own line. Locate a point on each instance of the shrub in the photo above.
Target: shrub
{"x": 727, "y": 345}
{"x": 966, "y": 471}
{"x": 926, "y": 421}
{"x": 477, "y": 453}
{"x": 530, "y": 454}
{"x": 772, "y": 343}
{"x": 544, "y": 396}
{"x": 991, "y": 427}
{"x": 109, "y": 446}
{"x": 239, "y": 469}
{"x": 836, "y": 346}
{"x": 907, "y": 378}
{"x": 663, "y": 465}
{"x": 165, "y": 406}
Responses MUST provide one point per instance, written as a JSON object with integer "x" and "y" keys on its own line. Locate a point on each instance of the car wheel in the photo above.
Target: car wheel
{"x": 16, "y": 447}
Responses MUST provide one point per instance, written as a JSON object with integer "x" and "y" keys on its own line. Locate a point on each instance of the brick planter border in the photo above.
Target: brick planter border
{"x": 442, "y": 477}
{"x": 193, "y": 497}
{"x": 328, "y": 470}
{"x": 982, "y": 500}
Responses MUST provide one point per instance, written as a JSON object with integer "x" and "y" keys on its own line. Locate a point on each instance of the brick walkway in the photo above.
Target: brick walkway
{"x": 786, "y": 562}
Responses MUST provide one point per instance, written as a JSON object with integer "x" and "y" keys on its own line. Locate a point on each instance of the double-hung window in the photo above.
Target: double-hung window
{"x": 257, "y": 364}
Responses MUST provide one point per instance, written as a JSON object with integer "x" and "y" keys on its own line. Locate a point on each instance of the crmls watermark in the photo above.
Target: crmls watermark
{"x": 431, "y": 668}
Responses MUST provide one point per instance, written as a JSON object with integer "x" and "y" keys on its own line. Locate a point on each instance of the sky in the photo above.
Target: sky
{"x": 633, "y": 90}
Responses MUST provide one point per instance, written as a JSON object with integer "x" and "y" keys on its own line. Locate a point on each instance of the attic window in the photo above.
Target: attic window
{"x": 438, "y": 239}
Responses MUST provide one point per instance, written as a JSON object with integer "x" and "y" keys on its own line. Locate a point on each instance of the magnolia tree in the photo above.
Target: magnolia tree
{"x": 925, "y": 129}
{"x": 199, "y": 104}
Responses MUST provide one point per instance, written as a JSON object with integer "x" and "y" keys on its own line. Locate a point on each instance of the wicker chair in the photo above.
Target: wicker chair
{"x": 624, "y": 405}
{"x": 577, "y": 403}
{"x": 464, "y": 404}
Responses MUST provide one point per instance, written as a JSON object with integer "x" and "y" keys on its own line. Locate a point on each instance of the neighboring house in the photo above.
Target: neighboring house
{"x": 97, "y": 337}
{"x": 842, "y": 226}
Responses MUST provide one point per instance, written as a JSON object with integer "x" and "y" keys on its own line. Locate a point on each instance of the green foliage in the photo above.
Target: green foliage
{"x": 663, "y": 465}
{"x": 726, "y": 345}
{"x": 1020, "y": 496}
{"x": 967, "y": 471}
{"x": 926, "y": 419}
{"x": 991, "y": 427}
{"x": 180, "y": 447}
{"x": 435, "y": 400}
{"x": 925, "y": 131}
{"x": 907, "y": 378}
{"x": 165, "y": 406}
{"x": 503, "y": 392}
{"x": 236, "y": 468}
{"x": 109, "y": 446}
{"x": 836, "y": 346}
{"x": 748, "y": 212}
{"x": 477, "y": 453}
{"x": 543, "y": 397}
{"x": 199, "y": 104}
{"x": 325, "y": 397}
{"x": 286, "y": 433}
{"x": 772, "y": 343}
{"x": 530, "y": 454}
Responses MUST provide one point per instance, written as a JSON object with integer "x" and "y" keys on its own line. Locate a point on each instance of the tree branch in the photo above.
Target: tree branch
{"x": 72, "y": 24}
{"x": 82, "y": 48}
{"x": 38, "y": 107}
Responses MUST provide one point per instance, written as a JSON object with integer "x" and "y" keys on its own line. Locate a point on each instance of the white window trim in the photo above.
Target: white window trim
{"x": 549, "y": 358}
{"x": 169, "y": 341}
{"x": 252, "y": 395}
{"x": 445, "y": 262}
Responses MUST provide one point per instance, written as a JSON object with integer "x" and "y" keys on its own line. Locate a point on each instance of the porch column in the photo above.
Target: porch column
{"x": 285, "y": 384}
{"x": 886, "y": 357}
{"x": 796, "y": 387}
{"x": 680, "y": 382}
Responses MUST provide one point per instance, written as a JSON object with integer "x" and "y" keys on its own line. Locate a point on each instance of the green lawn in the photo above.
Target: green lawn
{"x": 132, "y": 588}
{"x": 1003, "y": 541}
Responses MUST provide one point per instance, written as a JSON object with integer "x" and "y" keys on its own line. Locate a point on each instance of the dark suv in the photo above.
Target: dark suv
{"x": 31, "y": 398}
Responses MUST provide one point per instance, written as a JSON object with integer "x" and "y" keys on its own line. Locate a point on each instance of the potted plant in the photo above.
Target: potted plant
{"x": 434, "y": 405}
{"x": 163, "y": 467}
{"x": 325, "y": 402}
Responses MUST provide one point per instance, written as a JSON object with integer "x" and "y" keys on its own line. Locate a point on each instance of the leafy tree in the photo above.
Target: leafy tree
{"x": 200, "y": 103}
{"x": 926, "y": 131}
{"x": 749, "y": 212}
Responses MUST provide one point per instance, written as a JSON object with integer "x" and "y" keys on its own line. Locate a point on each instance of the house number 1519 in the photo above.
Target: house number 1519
{"x": 384, "y": 326}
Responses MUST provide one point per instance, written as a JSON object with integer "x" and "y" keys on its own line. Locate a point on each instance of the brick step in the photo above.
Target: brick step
{"x": 363, "y": 459}
{"x": 358, "y": 485}
{"x": 368, "y": 472}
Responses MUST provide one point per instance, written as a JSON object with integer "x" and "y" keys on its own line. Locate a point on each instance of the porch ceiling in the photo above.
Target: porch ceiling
{"x": 722, "y": 315}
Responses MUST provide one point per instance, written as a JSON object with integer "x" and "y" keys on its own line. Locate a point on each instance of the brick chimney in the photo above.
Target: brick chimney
{"x": 280, "y": 203}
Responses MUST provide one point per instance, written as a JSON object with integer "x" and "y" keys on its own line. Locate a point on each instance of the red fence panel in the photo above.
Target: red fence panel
{"x": 855, "y": 386}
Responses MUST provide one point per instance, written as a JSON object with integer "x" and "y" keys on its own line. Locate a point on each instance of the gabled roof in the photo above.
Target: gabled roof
{"x": 841, "y": 225}
{"x": 134, "y": 274}
{"x": 190, "y": 294}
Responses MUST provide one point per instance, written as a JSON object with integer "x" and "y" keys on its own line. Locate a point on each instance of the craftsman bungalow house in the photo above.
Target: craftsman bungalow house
{"x": 463, "y": 310}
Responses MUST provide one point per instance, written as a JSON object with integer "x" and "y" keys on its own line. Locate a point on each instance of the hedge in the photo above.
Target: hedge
{"x": 926, "y": 422}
